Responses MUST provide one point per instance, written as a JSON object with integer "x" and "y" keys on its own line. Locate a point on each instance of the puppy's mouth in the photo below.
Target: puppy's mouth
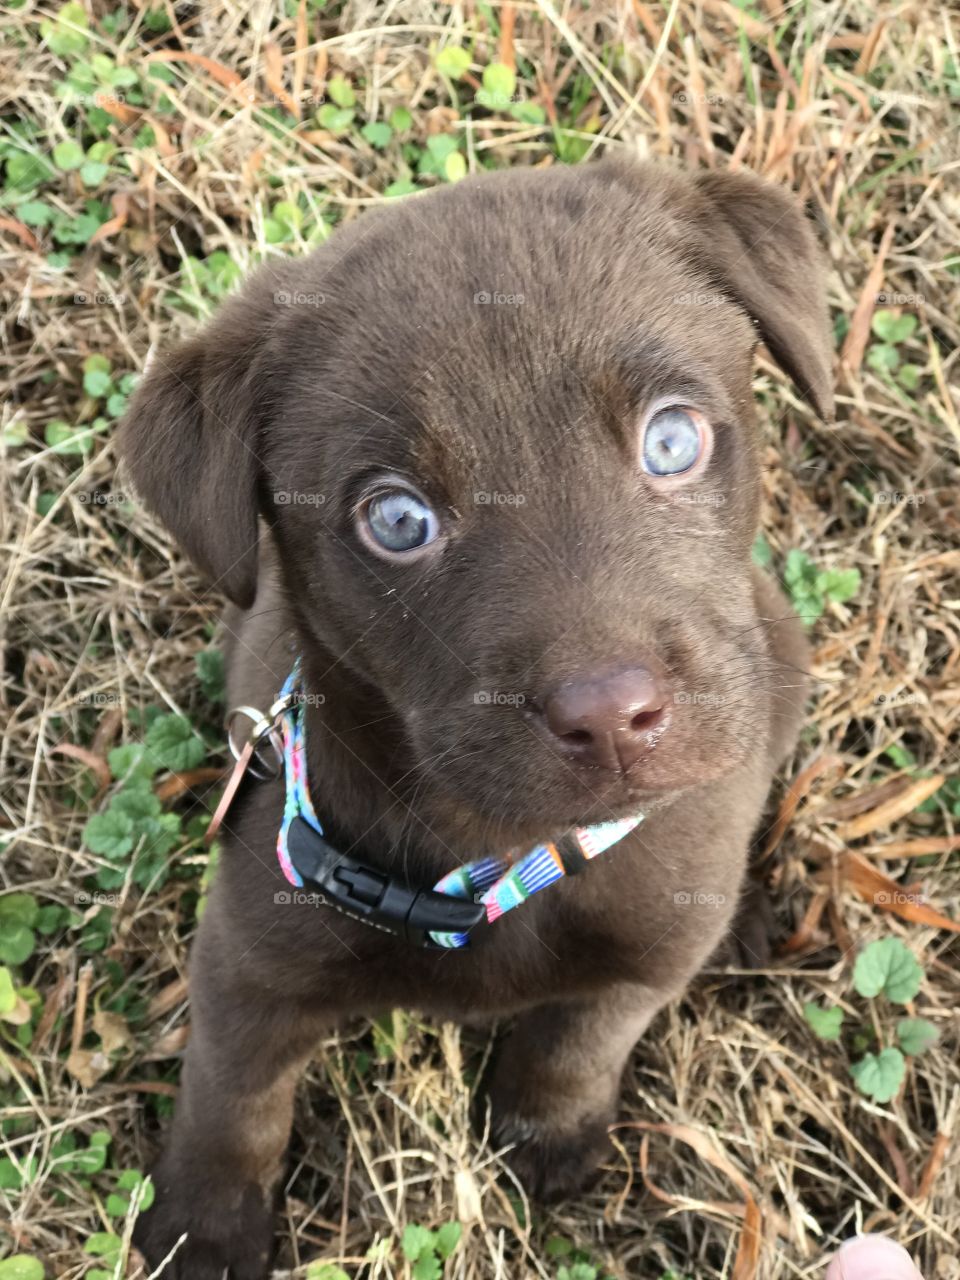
{"x": 610, "y": 809}
{"x": 522, "y": 790}
{"x": 526, "y": 759}
{"x": 493, "y": 829}
{"x": 608, "y": 799}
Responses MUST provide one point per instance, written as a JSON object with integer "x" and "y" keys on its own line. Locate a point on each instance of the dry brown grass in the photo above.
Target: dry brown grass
{"x": 853, "y": 108}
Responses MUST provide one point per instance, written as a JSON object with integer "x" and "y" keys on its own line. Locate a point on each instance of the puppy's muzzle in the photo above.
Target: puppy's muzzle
{"x": 609, "y": 720}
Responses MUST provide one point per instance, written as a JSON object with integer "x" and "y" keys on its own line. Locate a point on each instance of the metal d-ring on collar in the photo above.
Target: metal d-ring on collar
{"x": 249, "y": 756}
{"x": 264, "y": 729}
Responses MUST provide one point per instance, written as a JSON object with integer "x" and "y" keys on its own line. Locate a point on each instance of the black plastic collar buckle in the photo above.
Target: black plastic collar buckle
{"x": 376, "y": 899}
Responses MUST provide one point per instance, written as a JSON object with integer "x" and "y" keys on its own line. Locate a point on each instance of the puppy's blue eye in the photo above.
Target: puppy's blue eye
{"x": 399, "y": 521}
{"x": 672, "y": 442}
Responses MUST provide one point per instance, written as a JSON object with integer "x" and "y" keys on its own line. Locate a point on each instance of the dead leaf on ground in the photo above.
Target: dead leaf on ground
{"x": 87, "y": 1066}
{"x": 748, "y": 1251}
{"x": 112, "y": 1030}
{"x": 874, "y": 886}
{"x": 97, "y": 764}
{"x": 912, "y": 794}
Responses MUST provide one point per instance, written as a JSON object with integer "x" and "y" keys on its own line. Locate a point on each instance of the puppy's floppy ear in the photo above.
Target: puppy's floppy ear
{"x": 190, "y": 440}
{"x": 765, "y": 252}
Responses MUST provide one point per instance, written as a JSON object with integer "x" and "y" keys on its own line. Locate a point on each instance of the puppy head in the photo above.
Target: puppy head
{"x": 504, "y": 438}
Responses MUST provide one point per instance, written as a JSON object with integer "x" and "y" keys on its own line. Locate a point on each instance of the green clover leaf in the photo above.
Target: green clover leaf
{"x": 880, "y": 1075}
{"x": 172, "y": 740}
{"x": 916, "y": 1034}
{"x": 825, "y": 1023}
{"x": 889, "y": 967}
{"x": 110, "y": 834}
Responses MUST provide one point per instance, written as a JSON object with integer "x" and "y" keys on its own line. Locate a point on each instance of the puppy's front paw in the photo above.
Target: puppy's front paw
{"x": 229, "y": 1235}
{"x": 553, "y": 1163}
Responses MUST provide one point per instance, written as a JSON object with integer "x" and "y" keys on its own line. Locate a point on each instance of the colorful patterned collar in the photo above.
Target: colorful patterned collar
{"x": 461, "y": 904}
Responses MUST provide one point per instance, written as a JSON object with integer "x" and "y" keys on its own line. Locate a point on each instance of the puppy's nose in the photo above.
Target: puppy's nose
{"x": 609, "y": 720}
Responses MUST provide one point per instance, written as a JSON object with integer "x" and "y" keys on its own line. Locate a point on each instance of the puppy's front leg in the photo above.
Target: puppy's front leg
{"x": 216, "y": 1178}
{"x": 555, "y": 1086}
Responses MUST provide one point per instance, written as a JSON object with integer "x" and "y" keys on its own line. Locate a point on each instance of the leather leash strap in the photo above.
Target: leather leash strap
{"x": 236, "y": 777}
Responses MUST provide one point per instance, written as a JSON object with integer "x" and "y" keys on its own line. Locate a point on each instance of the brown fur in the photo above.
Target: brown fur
{"x": 399, "y": 370}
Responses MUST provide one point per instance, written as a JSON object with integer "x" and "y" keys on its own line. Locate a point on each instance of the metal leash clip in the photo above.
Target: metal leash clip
{"x": 264, "y": 729}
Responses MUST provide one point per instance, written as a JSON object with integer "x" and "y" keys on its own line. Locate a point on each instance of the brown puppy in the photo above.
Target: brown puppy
{"x": 488, "y": 462}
